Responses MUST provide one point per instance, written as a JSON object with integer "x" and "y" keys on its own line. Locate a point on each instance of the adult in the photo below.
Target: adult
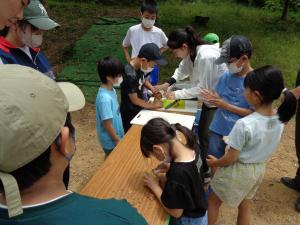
{"x": 37, "y": 143}
{"x": 19, "y": 43}
{"x": 11, "y": 11}
{"x": 294, "y": 183}
{"x": 198, "y": 63}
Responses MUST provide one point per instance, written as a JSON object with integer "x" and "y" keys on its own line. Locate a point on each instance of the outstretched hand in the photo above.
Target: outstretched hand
{"x": 151, "y": 181}
{"x": 160, "y": 87}
{"x": 213, "y": 98}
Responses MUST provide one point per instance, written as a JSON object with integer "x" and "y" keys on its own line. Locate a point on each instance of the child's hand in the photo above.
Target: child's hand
{"x": 151, "y": 181}
{"x": 211, "y": 161}
{"x": 162, "y": 168}
{"x": 157, "y": 103}
{"x": 213, "y": 98}
{"x": 171, "y": 95}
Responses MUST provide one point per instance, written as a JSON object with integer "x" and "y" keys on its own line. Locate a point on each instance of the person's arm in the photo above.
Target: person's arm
{"x": 154, "y": 186}
{"x": 126, "y": 53}
{"x": 126, "y": 43}
{"x": 228, "y": 159}
{"x": 185, "y": 69}
{"x": 146, "y": 105}
{"x": 163, "y": 49}
{"x": 213, "y": 98}
{"x": 107, "y": 124}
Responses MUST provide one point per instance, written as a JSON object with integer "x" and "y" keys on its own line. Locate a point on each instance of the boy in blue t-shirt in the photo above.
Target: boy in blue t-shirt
{"x": 229, "y": 92}
{"x": 108, "y": 118}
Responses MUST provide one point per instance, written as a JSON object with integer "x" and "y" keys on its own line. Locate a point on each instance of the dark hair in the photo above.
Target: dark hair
{"x": 186, "y": 36}
{"x": 149, "y": 6}
{"x": 268, "y": 81}
{"x": 159, "y": 131}
{"x": 28, "y": 174}
{"x": 111, "y": 67}
{"x": 20, "y": 23}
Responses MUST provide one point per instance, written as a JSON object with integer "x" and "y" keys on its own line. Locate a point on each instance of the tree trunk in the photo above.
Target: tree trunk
{"x": 285, "y": 10}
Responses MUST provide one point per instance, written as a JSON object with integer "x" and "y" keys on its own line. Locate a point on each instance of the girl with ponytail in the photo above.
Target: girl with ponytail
{"x": 251, "y": 142}
{"x": 180, "y": 191}
{"x": 198, "y": 62}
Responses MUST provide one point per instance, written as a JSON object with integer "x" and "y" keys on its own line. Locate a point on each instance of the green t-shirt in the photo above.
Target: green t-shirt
{"x": 75, "y": 209}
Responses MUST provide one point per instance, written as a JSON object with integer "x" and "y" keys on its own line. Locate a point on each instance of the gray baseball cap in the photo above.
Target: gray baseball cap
{"x": 234, "y": 47}
{"x": 36, "y": 14}
{"x": 33, "y": 110}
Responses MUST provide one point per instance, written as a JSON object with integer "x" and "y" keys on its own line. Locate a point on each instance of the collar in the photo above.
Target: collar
{"x": 6, "y": 46}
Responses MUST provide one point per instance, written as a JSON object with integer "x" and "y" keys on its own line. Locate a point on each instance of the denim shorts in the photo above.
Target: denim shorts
{"x": 216, "y": 145}
{"x": 191, "y": 221}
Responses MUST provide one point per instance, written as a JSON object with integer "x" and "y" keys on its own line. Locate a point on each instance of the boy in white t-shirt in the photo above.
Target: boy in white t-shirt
{"x": 144, "y": 33}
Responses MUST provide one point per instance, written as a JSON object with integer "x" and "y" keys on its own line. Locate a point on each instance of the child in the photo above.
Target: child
{"x": 251, "y": 141}
{"x": 144, "y": 33}
{"x": 228, "y": 95}
{"x": 135, "y": 79}
{"x": 108, "y": 118}
{"x": 181, "y": 190}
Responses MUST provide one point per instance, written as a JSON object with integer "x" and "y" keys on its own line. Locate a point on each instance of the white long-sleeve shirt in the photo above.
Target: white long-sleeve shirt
{"x": 203, "y": 73}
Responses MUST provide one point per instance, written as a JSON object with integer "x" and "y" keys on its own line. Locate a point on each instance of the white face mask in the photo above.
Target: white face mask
{"x": 120, "y": 80}
{"x": 233, "y": 69}
{"x": 29, "y": 39}
{"x": 146, "y": 71}
{"x": 148, "y": 23}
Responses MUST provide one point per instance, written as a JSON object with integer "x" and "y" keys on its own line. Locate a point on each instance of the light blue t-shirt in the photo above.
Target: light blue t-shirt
{"x": 107, "y": 107}
{"x": 230, "y": 88}
{"x": 256, "y": 137}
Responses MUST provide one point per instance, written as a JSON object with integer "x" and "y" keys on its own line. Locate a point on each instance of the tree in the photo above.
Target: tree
{"x": 285, "y": 10}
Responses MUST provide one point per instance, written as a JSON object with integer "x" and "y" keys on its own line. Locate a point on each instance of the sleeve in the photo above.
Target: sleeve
{"x": 1, "y": 62}
{"x": 175, "y": 196}
{"x": 126, "y": 41}
{"x": 201, "y": 73}
{"x": 219, "y": 85}
{"x": 104, "y": 108}
{"x": 184, "y": 69}
{"x": 130, "y": 85}
{"x": 238, "y": 136}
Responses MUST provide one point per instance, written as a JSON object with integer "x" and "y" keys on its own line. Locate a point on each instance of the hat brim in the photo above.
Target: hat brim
{"x": 73, "y": 95}
{"x": 221, "y": 60}
{"x": 43, "y": 23}
{"x": 161, "y": 62}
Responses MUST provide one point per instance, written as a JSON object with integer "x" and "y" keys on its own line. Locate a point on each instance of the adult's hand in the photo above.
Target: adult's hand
{"x": 171, "y": 95}
{"x": 163, "y": 87}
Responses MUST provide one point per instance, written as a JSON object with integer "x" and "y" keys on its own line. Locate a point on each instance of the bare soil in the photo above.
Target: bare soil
{"x": 272, "y": 205}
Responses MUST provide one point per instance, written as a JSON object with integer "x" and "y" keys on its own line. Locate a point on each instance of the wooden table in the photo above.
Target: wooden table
{"x": 121, "y": 177}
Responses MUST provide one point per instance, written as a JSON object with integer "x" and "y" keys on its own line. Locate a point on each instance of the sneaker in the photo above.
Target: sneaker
{"x": 297, "y": 204}
{"x": 291, "y": 183}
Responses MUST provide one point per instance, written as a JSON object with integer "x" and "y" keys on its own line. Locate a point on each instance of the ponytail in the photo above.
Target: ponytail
{"x": 288, "y": 107}
{"x": 268, "y": 81}
{"x": 186, "y": 36}
{"x": 159, "y": 131}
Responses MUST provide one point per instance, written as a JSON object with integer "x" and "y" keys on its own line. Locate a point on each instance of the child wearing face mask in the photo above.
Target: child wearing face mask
{"x": 19, "y": 43}
{"x": 144, "y": 33}
{"x": 135, "y": 79}
{"x": 179, "y": 184}
{"x": 228, "y": 95}
{"x": 108, "y": 118}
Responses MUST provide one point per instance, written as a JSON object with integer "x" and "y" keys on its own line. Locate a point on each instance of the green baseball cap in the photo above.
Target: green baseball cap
{"x": 211, "y": 38}
{"x": 36, "y": 14}
{"x": 33, "y": 110}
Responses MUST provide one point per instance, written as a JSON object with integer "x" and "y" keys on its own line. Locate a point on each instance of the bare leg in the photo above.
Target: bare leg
{"x": 244, "y": 215}
{"x": 214, "y": 204}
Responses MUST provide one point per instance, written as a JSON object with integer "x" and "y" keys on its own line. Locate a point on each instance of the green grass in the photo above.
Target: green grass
{"x": 274, "y": 42}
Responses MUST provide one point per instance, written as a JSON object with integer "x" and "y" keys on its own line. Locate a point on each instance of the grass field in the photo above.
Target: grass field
{"x": 275, "y": 42}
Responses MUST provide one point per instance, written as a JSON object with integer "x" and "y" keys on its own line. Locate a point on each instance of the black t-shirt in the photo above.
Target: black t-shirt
{"x": 184, "y": 188}
{"x": 133, "y": 82}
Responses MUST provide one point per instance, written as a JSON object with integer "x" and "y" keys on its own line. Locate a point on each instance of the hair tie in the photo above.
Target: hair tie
{"x": 283, "y": 90}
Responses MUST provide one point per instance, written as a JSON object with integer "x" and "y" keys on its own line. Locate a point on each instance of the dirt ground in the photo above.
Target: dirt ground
{"x": 273, "y": 204}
